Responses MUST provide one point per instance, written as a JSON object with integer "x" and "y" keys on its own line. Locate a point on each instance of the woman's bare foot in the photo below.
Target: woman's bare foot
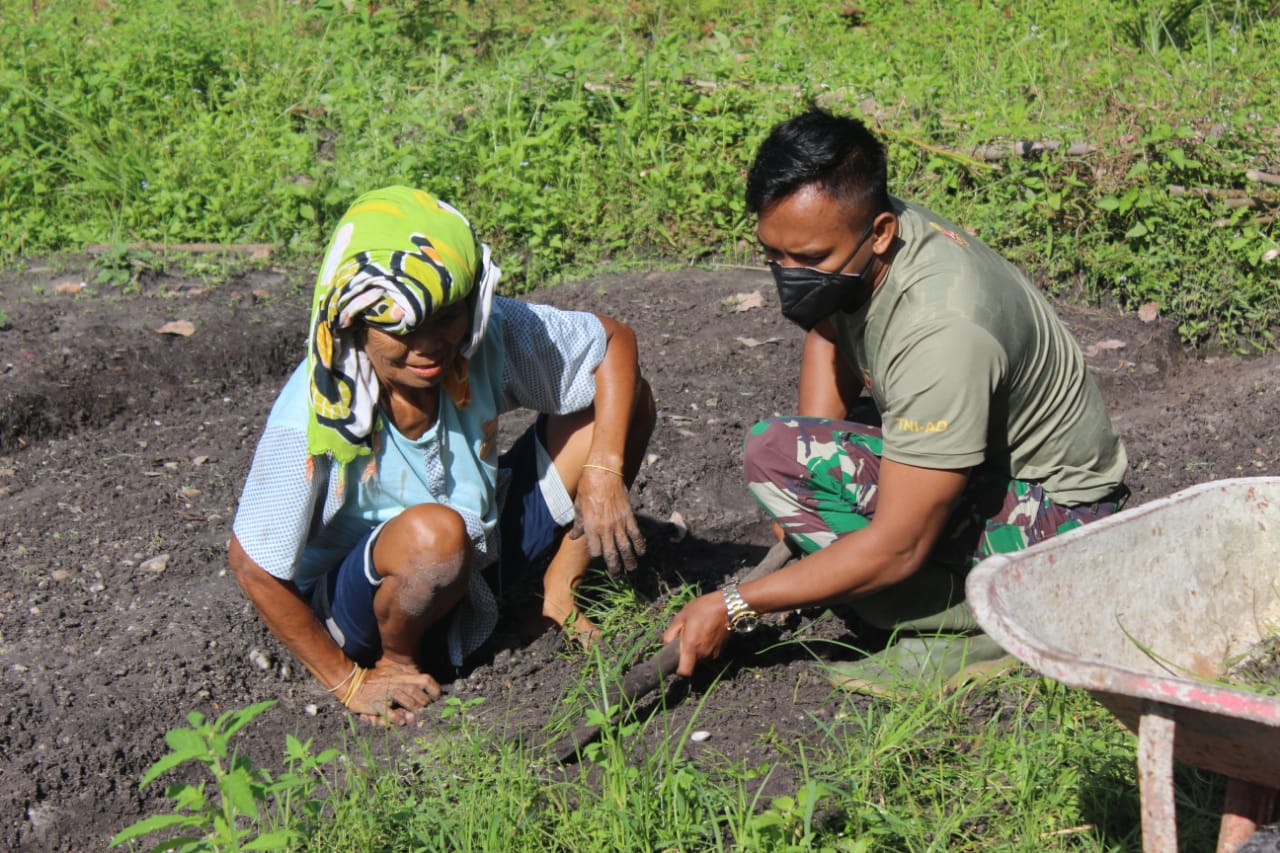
{"x": 568, "y": 617}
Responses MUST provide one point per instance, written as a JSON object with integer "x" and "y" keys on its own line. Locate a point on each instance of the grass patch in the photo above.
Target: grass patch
{"x": 577, "y": 135}
{"x": 1022, "y": 764}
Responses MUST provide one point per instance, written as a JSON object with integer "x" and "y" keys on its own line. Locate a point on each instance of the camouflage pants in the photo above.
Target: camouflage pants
{"x": 818, "y": 479}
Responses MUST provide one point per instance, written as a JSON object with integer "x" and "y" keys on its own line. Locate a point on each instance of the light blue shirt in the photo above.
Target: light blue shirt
{"x": 298, "y": 523}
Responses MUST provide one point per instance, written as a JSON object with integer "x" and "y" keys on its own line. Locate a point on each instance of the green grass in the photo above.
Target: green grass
{"x": 578, "y": 135}
{"x": 1048, "y": 770}
{"x": 1020, "y": 764}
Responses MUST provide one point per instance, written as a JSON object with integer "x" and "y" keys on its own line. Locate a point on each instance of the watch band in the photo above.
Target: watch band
{"x": 741, "y": 617}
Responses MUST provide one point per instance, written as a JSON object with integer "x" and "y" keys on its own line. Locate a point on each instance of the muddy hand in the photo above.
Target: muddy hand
{"x": 392, "y": 693}
{"x": 602, "y": 513}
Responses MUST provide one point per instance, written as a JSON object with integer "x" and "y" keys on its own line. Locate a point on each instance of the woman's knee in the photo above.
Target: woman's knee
{"x": 425, "y": 537}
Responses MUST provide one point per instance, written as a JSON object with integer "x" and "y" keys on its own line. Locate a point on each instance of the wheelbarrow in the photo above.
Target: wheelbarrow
{"x": 1147, "y": 610}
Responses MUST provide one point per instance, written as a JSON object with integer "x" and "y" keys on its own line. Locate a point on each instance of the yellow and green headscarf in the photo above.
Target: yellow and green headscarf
{"x": 397, "y": 256}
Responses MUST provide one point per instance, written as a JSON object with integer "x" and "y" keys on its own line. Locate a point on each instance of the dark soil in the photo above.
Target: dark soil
{"x": 121, "y": 457}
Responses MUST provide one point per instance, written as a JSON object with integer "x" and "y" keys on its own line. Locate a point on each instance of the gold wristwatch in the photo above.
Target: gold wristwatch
{"x": 742, "y": 619}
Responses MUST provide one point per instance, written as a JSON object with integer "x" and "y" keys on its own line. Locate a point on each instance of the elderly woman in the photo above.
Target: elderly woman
{"x": 377, "y": 506}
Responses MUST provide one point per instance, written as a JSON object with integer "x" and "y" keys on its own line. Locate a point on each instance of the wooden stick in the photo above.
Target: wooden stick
{"x": 1030, "y": 150}
{"x": 1229, "y": 197}
{"x": 647, "y": 675}
{"x": 949, "y": 153}
{"x": 1262, "y": 177}
{"x": 253, "y": 250}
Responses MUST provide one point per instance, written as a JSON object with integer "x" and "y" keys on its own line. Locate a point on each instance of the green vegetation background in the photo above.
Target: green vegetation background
{"x": 575, "y": 134}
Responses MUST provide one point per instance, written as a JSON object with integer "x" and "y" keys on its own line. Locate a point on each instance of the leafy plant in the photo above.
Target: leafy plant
{"x": 121, "y": 267}
{"x": 236, "y": 814}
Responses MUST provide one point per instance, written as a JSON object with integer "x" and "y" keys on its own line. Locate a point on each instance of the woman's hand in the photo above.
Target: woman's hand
{"x": 392, "y": 692}
{"x": 602, "y": 513}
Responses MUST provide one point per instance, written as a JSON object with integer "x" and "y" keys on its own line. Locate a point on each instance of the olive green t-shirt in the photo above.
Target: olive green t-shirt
{"x": 968, "y": 364}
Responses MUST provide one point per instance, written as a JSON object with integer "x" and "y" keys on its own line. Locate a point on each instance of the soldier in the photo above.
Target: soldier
{"x": 945, "y": 414}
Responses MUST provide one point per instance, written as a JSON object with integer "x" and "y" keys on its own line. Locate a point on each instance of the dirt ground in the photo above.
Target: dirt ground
{"x": 122, "y": 451}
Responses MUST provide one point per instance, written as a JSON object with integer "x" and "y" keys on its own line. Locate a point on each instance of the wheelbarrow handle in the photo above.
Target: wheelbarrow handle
{"x": 648, "y": 674}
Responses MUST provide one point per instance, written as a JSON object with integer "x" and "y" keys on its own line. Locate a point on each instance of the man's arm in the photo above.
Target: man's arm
{"x": 913, "y": 505}
{"x": 828, "y": 386}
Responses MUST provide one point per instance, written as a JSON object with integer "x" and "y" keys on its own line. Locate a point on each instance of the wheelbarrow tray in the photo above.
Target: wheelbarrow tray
{"x": 1146, "y": 610}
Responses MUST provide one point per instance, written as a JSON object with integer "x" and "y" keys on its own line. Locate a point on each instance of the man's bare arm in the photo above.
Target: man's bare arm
{"x": 828, "y": 386}
{"x": 912, "y": 508}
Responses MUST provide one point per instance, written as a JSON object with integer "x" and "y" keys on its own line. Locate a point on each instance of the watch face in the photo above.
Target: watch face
{"x": 745, "y": 624}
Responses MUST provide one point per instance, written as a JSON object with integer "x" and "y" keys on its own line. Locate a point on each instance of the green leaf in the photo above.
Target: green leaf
{"x": 155, "y": 823}
{"x": 278, "y": 839}
{"x": 163, "y": 765}
{"x": 240, "y": 719}
{"x": 185, "y": 741}
{"x": 1138, "y": 230}
{"x": 238, "y": 788}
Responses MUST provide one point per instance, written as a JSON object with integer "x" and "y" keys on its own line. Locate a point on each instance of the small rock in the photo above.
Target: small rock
{"x": 310, "y": 710}
{"x": 185, "y": 328}
{"x": 97, "y": 587}
{"x": 156, "y": 564}
{"x": 681, "y": 529}
{"x": 258, "y": 659}
{"x": 740, "y": 302}
{"x": 60, "y": 575}
{"x": 700, "y": 735}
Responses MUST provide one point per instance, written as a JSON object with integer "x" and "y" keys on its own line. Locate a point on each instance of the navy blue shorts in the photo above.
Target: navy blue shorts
{"x": 536, "y": 509}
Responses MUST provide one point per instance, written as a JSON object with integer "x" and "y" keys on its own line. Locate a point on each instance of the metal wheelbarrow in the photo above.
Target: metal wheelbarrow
{"x": 1145, "y": 610}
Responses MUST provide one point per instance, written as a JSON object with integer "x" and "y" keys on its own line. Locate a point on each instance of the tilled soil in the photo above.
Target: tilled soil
{"x": 122, "y": 451}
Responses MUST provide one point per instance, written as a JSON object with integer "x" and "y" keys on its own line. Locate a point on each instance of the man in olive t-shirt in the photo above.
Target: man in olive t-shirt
{"x": 945, "y": 414}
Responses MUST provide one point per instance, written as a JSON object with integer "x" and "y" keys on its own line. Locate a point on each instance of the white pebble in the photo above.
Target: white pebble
{"x": 700, "y": 735}
{"x": 156, "y": 564}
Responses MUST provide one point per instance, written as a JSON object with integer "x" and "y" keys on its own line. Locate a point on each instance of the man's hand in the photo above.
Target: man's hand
{"x": 392, "y": 693}
{"x": 703, "y": 628}
{"x": 602, "y": 513}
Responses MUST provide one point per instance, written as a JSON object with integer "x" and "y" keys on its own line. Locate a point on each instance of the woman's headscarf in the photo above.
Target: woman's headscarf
{"x": 398, "y": 256}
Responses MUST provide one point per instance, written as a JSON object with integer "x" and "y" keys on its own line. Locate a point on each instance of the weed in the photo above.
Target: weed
{"x": 121, "y": 267}
{"x": 237, "y": 816}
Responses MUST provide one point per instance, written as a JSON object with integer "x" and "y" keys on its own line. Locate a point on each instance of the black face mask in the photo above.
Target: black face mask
{"x": 809, "y": 295}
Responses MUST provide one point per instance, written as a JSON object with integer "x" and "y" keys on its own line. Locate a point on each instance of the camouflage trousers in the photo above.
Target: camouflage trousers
{"x": 818, "y": 478}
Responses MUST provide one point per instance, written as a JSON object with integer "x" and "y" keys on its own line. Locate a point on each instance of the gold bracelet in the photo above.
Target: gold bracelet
{"x": 356, "y": 684}
{"x": 334, "y": 688}
{"x": 604, "y": 468}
